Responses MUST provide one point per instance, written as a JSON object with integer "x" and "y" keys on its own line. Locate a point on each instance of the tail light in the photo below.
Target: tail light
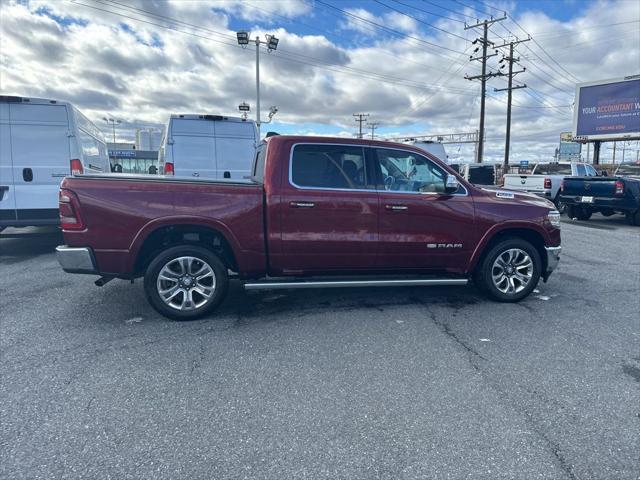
{"x": 69, "y": 209}
{"x": 76, "y": 167}
{"x": 547, "y": 183}
{"x": 168, "y": 169}
{"x": 619, "y": 187}
{"x": 562, "y": 186}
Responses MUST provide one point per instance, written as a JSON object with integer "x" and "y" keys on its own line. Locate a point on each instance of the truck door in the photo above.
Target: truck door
{"x": 421, "y": 227}
{"x": 40, "y": 157}
{"x": 7, "y": 198}
{"x": 328, "y": 211}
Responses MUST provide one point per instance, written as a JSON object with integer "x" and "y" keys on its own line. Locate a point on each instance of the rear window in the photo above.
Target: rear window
{"x": 552, "y": 169}
{"x": 328, "y": 166}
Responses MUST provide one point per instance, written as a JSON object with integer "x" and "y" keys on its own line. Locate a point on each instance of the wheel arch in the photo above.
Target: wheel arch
{"x": 533, "y": 234}
{"x": 184, "y": 231}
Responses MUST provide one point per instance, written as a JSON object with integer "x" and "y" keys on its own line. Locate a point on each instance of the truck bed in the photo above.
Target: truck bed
{"x": 120, "y": 211}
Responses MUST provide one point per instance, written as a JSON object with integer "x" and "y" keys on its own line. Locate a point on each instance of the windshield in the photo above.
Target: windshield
{"x": 629, "y": 170}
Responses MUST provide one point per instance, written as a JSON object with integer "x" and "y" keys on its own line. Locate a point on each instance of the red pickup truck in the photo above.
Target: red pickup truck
{"x": 317, "y": 212}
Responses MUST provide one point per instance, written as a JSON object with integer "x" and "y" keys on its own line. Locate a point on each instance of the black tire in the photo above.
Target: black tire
{"x": 579, "y": 212}
{"x": 203, "y": 258}
{"x": 484, "y": 272}
{"x": 560, "y": 206}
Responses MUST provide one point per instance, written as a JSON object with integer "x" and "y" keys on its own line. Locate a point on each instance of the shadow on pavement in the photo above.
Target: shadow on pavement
{"x": 17, "y": 243}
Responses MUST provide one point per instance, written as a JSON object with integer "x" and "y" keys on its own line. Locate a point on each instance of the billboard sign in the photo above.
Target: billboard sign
{"x": 608, "y": 110}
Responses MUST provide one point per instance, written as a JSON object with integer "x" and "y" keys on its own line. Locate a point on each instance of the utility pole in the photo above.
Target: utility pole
{"x": 373, "y": 126}
{"x": 483, "y": 78}
{"x": 511, "y": 59}
{"x": 360, "y": 118}
{"x": 614, "y": 152}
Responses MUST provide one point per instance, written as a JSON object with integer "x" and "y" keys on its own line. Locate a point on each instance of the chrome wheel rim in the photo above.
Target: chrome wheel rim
{"x": 512, "y": 271}
{"x": 186, "y": 283}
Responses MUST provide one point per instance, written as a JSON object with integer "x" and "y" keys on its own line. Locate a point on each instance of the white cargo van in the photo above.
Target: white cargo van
{"x": 429, "y": 146}
{"x": 208, "y": 146}
{"x": 41, "y": 142}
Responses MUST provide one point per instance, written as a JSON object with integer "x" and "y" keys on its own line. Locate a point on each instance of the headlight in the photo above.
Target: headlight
{"x": 554, "y": 218}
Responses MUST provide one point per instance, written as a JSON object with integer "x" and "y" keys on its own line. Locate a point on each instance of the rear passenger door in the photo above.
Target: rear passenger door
{"x": 328, "y": 211}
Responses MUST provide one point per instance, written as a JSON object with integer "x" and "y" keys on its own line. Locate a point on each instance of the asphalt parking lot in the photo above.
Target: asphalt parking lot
{"x": 404, "y": 383}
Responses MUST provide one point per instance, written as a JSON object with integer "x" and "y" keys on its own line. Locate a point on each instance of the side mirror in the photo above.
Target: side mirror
{"x": 451, "y": 185}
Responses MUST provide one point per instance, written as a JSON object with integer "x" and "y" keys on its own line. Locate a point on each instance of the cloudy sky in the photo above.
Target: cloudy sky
{"x": 401, "y": 61}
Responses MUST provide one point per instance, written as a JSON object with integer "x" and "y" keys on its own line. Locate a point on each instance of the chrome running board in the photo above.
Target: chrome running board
{"x": 423, "y": 282}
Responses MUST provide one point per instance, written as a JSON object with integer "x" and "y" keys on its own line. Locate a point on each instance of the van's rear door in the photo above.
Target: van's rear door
{"x": 235, "y": 148}
{"x": 193, "y": 147}
{"x": 7, "y": 197}
{"x": 40, "y": 157}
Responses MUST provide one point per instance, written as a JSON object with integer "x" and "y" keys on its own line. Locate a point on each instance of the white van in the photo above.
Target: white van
{"x": 429, "y": 146}
{"x": 41, "y": 142}
{"x": 208, "y": 146}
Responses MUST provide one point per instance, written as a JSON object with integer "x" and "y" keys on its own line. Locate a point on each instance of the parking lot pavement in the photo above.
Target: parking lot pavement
{"x": 360, "y": 383}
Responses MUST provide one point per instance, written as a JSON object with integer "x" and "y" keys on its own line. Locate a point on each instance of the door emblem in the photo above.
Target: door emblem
{"x": 444, "y": 245}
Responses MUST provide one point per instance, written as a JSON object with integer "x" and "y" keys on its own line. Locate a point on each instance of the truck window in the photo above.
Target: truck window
{"x": 581, "y": 171}
{"x": 552, "y": 169}
{"x": 328, "y": 166}
{"x": 409, "y": 172}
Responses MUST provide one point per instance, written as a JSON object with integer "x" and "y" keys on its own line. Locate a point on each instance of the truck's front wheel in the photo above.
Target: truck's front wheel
{"x": 185, "y": 282}
{"x": 510, "y": 270}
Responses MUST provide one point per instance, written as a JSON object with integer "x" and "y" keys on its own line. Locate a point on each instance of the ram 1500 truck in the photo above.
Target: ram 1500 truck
{"x": 607, "y": 195}
{"x": 545, "y": 179}
{"x": 317, "y": 212}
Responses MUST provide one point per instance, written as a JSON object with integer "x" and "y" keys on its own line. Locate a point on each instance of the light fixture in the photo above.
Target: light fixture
{"x": 243, "y": 37}
{"x": 272, "y": 42}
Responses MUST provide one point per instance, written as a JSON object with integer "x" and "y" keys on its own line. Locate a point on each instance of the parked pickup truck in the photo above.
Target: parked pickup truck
{"x": 607, "y": 195}
{"x": 545, "y": 179}
{"x": 317, "y": 212}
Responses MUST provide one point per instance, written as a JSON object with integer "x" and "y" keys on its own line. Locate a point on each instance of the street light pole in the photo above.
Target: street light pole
{"x": 113, "y": 123}
{"x": 272, "y": 44}
{"x": 258, "y": 84}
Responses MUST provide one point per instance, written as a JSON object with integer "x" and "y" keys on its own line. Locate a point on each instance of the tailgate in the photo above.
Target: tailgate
{"x": 589, "y": 186}
{"x": 529, "y": 183}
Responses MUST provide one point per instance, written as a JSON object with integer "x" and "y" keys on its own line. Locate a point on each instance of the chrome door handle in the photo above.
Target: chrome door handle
{"x": 396, "y": 208}
{"x": 302, "y": 204}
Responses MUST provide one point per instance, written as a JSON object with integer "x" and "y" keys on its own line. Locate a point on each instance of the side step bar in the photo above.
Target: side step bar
{"x": 273, "y": 285}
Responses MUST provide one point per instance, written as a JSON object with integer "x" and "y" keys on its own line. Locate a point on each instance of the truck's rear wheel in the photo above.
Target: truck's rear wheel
{"x": 185, "y": 282}
{"x": 560, "y": 206}
{"x": 579, "y": 212}
{"x": 510, "y": 270}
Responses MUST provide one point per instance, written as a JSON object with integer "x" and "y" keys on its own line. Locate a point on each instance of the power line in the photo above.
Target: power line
{"x": 387, "y": 29}
{"x": 314, "y": 61}
{"x": 448, "y": 10}
{"x": 420, "y": 21}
